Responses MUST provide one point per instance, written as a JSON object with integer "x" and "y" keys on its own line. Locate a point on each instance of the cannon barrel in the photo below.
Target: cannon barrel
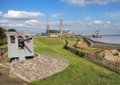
{"x": 23, "y": 40}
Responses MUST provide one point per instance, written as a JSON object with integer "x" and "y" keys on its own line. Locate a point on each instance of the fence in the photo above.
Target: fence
{"x": 115, "y": 66}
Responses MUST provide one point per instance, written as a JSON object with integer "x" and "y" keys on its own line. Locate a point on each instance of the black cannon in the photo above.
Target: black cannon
{"x": 21, "y": 41}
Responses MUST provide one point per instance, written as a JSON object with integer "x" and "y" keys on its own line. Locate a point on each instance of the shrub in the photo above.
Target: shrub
{"x": 116, "y": 54}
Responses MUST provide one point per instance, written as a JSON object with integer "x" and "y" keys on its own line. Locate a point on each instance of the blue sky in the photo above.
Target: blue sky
{"x": 80, "y": 16}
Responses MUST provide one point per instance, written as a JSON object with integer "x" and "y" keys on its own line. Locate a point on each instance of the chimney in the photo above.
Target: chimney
{"x": 61, "y": 26}
{"x": 48, "y": 25}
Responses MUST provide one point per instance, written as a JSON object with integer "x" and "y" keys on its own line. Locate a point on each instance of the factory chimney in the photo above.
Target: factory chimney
{"x": 48, "y": 25}
{"x": 61, "y": 26}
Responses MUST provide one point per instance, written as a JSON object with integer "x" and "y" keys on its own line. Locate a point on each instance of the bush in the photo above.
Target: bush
{"x": 2, "y": 36}
{"x": 115, "y": 54}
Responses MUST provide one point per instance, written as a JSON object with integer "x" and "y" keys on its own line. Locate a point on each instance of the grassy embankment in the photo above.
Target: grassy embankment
{"x": 79, "y": 43}
{"x": 79, "y": 72}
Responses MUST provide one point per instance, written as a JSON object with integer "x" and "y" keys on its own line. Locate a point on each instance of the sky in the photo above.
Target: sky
{"x": 80, "y": 16}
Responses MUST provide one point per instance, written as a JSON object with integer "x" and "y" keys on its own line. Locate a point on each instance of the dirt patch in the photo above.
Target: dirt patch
{"x": 6, "y": 80}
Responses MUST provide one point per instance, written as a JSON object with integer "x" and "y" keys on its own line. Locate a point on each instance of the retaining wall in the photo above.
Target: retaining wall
{"x": 115, "y": 66}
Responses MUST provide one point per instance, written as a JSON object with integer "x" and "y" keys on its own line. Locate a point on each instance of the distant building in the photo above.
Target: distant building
{"x": 58, "y": 32}
{"x": 52, "y": 32}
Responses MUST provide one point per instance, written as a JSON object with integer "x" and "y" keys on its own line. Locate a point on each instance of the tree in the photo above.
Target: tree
{"x": 11, "y": 30}
{"x": 2, "y": 35}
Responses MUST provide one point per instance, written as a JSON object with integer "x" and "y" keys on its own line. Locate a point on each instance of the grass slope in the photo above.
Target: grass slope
{"x": 79, "y": 72}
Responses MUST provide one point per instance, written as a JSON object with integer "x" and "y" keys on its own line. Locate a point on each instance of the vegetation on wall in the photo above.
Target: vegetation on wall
{"x": 11, "y": 30}
{"x": 3, "y": 39}
{"x": 2, "y": 36}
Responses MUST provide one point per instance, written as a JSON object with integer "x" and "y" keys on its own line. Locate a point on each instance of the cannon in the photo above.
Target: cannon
{"x": 21, "y": 41}
{"x": 20, "y": 45}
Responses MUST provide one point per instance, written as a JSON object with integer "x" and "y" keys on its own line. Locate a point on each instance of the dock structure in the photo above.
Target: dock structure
{"x": 97, "y": 34}
{"x": 98, "y": 44}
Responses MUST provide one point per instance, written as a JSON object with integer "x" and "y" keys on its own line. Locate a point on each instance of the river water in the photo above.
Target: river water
{"x": 108, "y": 39}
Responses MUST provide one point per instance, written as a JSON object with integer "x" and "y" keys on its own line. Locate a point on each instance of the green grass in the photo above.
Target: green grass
{"x": 79, "y": 72}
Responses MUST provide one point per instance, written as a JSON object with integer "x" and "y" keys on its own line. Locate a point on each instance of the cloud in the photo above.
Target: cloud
{"x": 56, "y": 15}
{"x": 0, "y": 13}
{"x": 114, "y": 15}
{"x": 85, "y": 2}
{"x": 32, "y": 22}
{"x": 31, "y": 26}
{"x": 108, "y": 22}
{"x": 89, "y": 27}
{"x": 22, "y": 14}
{"x": 13, "y": 25}
{"x": 80, "y": 27}
{"x": 98, "y": 22}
